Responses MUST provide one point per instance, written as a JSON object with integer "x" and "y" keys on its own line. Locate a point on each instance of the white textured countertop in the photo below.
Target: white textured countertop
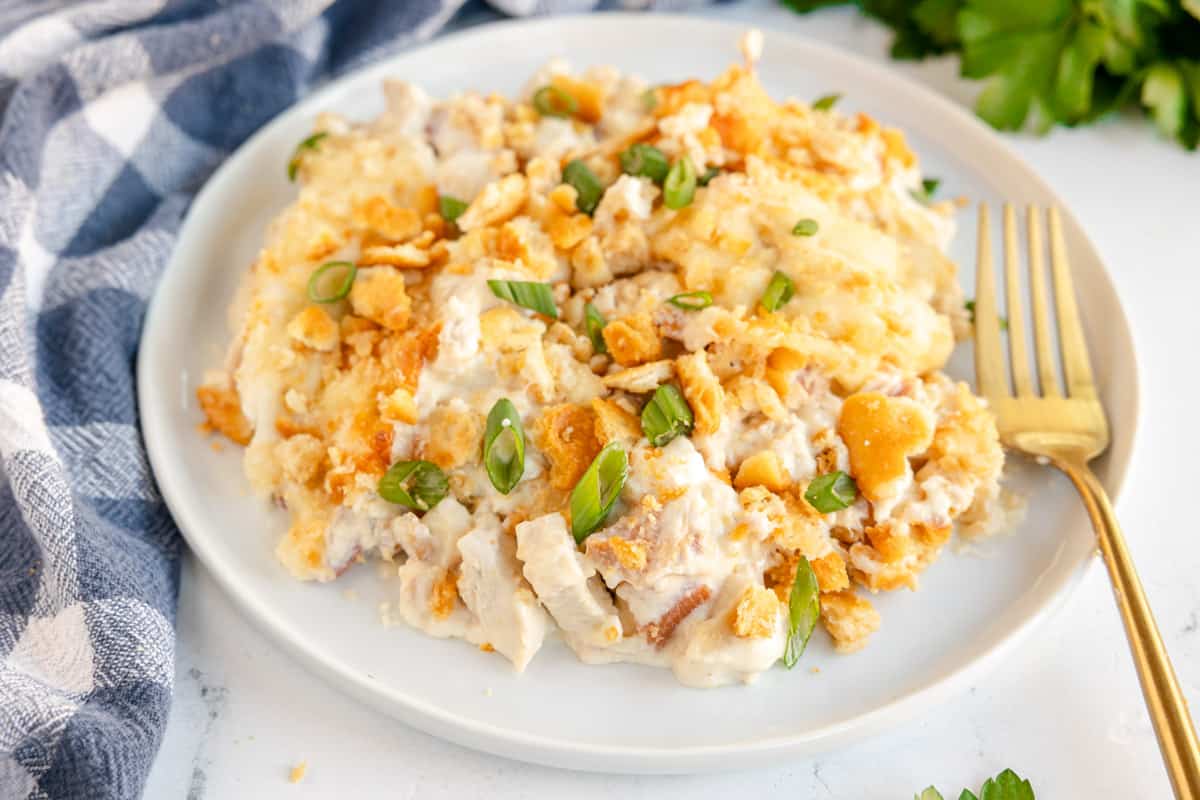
{"x": 1065, "y": 711}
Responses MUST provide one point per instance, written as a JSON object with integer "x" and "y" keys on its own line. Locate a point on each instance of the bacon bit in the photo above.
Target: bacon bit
{"x": 657, "y": 633}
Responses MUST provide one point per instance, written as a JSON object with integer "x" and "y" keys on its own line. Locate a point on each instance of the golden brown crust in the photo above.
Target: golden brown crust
{"x": 567, "y": 435}
{"x": 881, "y": 433}
{"x": 849, "y": 619}
{"x": 454, "y": 439}
{"x": 633, "y": 340}
{"x": 379, "y": 295}
{"x": 756, "y": 614}
{"x": 223, "y": 410}
{"x": 702, "y": 390}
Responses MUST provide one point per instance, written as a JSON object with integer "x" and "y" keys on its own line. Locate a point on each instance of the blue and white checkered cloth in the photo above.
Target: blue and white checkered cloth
{"x": 114, "y": 112}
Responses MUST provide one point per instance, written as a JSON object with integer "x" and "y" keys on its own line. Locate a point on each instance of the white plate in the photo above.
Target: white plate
{"x": 561, "y": 712}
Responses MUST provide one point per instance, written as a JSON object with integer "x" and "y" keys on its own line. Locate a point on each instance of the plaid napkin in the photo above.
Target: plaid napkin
{"x": 112, "y": 115}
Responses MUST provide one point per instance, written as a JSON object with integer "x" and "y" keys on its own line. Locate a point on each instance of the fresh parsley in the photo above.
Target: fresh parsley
{"x": 1008, "y": 785}
{"x": 1064, "y": 62}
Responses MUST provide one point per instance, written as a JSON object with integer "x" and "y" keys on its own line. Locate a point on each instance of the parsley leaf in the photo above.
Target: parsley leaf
{"x": 1006, "y": 786}
{"x": 1068, "y": 62}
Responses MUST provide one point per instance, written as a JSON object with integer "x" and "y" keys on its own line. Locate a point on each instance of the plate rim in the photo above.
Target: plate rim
{"x": 522, "y": 745}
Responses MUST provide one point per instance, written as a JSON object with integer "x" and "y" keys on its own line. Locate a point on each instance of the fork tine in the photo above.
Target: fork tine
{"x": 1043, "y": 342}
{"x": 1018, "y": 353}
{"x": 990, "y": 370}
{"x": 1076, "y": 368}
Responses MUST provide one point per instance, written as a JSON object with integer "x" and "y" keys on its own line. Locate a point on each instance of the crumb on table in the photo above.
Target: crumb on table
{"x": 298, "y": 771}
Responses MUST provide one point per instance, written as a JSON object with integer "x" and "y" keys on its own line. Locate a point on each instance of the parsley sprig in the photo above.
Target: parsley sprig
{"x": 1067, "y": 62}
{"x": 1008, "y": 785}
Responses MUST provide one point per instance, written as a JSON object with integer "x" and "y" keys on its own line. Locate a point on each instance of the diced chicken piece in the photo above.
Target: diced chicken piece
{"x": 428, "y": 598}
{"x": 491, "y": 586}
{"x": 566, "y": 583}
{"x": 408, "y": 109}
{"x": 712, "y": 654}
{"x": 365, "y": 528}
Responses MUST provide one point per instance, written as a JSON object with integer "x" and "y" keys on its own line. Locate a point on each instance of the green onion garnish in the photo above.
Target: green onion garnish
{"x": 527, "y": 294}
{"x": 593, "y": 497}
{"x": 588, "y": 188}
{"x": 650, "y": 99}
{"x": 419, "y": 485}
{"x": 708, "y": 175}
{"x": 308, "y": 144}
{"x": 805, "y": 227}
{"x": 826, "y": 102}
{"x": 594, "y": 321}
{"x": 504, "y": 446}
{"x": 551, "y": 101}
{"x": 779, "y": 291}
{"x": 680, "y": 184}
{"x": 691, "y": 301}
{"x": 831, "y": 492}
{"x": 804, "y": 607}
{"x": 970, "y": 307}
{"x": 645, "y": 160}
{"x": 451, "y": 208}
{"x": 337, "y": 292}
{"x": 928, "y": 187}
{"x": 666, "y": 416}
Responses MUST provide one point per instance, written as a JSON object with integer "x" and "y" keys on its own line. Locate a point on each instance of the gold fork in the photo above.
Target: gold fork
{"x": 1070, "y": 430}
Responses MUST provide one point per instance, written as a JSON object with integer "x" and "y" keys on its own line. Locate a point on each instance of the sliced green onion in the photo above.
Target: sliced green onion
{"x": 826, "y": 102}
{"x": 805, "y": 227}
{"x": 527, "y": 294}
{"x": 691, "y": 301}
{"x": 593, "y": 497}
{"x": 831, "y": 492}
{"x": 645, "y": 160}
{"x": 551, "y": 101}
{"x": 451, "y": 208}
{"x": 930, "y": 793}
{"x": 680, "y": 184}
{"x": 804, "y": 607}
{"x": 594, "y": 321}
{"x": 928, "y": 187}
{"x": 779, "y": 291}
{"x": 331, "y": 295}
{"x": 666, "y": 416}
{"x": 650, "y": 99}
{"x": 588, "y": 188}
{"x": 970, "y": 307}
{"x": 308, "y": 144}
{"x": 419, "y": 485}
{"x": 504, "y": 446}
{"x": 708, "y": 175}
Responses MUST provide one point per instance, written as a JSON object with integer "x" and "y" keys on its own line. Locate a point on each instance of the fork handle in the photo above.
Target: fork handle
{"x": 1164, "y": 699}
